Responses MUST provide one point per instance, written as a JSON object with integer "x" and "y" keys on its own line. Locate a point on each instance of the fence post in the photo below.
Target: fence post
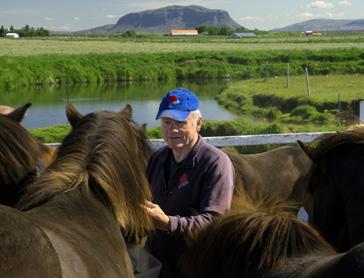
{"x": 307, "y": 82}
{"x": 339, "y": 108}
{"x": 287, "y": 79}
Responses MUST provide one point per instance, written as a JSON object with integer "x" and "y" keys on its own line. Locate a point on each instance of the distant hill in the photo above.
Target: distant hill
{"x": 164, "y": 19}
{"x": 324, "y": 25}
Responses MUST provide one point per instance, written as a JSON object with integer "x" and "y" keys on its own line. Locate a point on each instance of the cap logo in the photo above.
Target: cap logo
{"x": 173, "y": 100}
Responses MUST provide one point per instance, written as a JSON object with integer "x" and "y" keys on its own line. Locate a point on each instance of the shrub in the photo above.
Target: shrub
{"x": 128, "y": 34}
{"x": 304, "y": 111}
{"x": 273, "y": 114}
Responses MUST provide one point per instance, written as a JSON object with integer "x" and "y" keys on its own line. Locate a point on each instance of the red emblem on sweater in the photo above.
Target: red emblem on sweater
{"x": 182, "y": 180}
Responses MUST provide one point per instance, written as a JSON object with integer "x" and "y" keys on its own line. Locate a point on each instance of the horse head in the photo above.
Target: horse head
{"x": 336, "y": 187}
{"x": 251, "y": 243}
{"x": 105, "y": 156}
{"x": 19, "y": 156}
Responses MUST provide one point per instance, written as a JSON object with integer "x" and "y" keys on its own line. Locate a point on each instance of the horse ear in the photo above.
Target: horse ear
{"x": 127, "y": 111}
{"x": 19, "y": 113}
{"x": 306, "y": 148}
{"x": 73, "y": 115}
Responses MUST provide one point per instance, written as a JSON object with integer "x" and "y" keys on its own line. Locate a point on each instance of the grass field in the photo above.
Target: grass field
{"x": 322, "y": 88}
{"x": 161, "y": 44}
{"x": 332, "y": 100}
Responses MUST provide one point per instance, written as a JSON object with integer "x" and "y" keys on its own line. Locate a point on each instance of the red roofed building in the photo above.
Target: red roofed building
{"x": 177, "y": 32}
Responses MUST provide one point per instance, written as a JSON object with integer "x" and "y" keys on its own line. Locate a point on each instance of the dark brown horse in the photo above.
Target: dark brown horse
{"x": 280, "y": 173}
{"x": 76, "y": 207}
{"x": 22, "y": 158}
{"x": 337, "y": 187}
{"x": 266, "y": 242}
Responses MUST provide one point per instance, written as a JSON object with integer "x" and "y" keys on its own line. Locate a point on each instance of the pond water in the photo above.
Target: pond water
{"x": 48, "y": 104}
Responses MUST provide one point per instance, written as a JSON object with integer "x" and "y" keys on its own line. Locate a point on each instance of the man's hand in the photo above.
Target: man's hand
{"x": 160, "y": 219}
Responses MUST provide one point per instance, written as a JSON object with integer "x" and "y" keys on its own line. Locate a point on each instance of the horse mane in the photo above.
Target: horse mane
{"x": 19, "y": 152}
{"x": 250, "y": 241}
{"x": 326, "y": 143}
{"x": 105, "y": 155}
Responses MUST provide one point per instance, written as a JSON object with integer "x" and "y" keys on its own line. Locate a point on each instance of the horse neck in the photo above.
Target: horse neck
{"x": 72, "y": 209}
{"x": 85, "y": 234}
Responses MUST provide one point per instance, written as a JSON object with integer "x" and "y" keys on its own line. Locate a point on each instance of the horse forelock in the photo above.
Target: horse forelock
{"x": 19, "y": 152}
{"x": 251, "y": 242}
{"x": 106, "y": 156}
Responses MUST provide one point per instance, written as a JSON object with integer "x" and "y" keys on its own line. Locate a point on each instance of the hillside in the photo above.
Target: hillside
{"x": 324, "y": 25}
{"x": 164, "y": 19}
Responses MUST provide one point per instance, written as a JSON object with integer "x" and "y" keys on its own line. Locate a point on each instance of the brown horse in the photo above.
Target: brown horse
{"x": 337, "y": 187}
{"x": 281, "y": 173}
{"x": 76, "y": 207}
{"x": 266, "y": 242}
{"x": 22, "y": 158}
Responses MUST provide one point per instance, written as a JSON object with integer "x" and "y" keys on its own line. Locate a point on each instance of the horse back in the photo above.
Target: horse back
{"x": 282, "y": 172}
{"x": 25, "y": 250}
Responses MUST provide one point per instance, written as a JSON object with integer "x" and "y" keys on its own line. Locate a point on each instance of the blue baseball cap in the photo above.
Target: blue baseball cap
{"x": 177, "y": 104}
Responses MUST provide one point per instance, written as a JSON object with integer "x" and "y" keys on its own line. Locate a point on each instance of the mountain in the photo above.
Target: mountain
{"x": 164, "y": 19}
{"x": 324, "y": 25}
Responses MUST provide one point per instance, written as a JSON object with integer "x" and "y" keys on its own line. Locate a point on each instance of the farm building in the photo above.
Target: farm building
{"x": 242, "y": 35}
{"x": 12, "y": 35}
{"x": 178, "y": 32}
{"x": 311, "y": 33}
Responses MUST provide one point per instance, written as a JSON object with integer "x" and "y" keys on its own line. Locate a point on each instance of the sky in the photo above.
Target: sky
{"x": 74, "y": 15}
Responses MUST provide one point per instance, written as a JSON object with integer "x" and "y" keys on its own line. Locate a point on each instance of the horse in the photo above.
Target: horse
{"x": 282, "y": 172}
{"x": 337, "y": 187}
{"x": 80, "y": 207}
{"x": 266, "y": 241}
{"x": 22, "y": 158}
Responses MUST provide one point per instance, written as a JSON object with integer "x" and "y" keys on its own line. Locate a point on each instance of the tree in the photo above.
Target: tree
{"x": 129, "y": 34}
{"x": 202, "y": 28}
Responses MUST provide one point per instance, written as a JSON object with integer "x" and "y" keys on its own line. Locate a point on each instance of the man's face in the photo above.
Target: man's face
{"x": 180, "y": 135}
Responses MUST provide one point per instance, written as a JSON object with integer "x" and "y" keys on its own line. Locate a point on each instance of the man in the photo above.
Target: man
{"x": 192, "y": 182}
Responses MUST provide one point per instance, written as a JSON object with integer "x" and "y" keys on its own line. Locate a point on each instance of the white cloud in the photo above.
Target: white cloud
{"x": 65, "y": 28}
{"x": 18, "y": 12}
{"x": 76, "y": 18}
{"x": 110, "y": 16}
{"x": 345, "y": 2}
{"x": 250, "y": 18}
{"x": 259, "y": 18}
{"x": 320, "y": 5}
{"x": 308, "y": 15}
{"x": 48, "y": 18}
